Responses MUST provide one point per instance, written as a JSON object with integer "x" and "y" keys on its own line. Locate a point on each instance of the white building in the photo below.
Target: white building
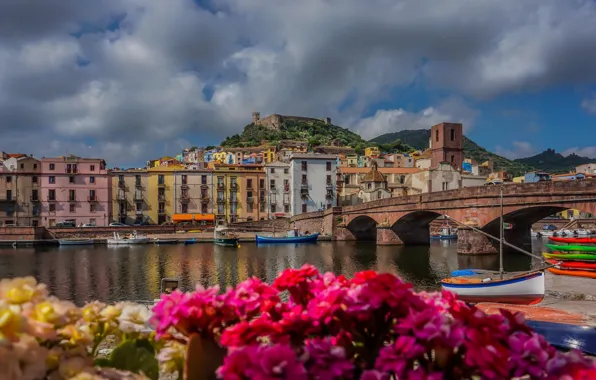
{"x": 312, "y": 182}
{"x": 278, "y": 180}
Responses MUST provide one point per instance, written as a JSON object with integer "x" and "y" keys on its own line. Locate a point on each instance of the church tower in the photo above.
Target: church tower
{"x": 447, "y": 145}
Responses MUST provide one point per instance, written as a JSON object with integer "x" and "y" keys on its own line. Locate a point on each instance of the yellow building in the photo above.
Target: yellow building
{"x": 220, "y": 156}
{"x": 239, "y": 193}
{"x": 129, "y": 189}
{"x": 161, "y": 192}
{"x": 371, "y": 151}
{"x": 520, "y": 179}
{"x": 352, "y": 160}
{"x": 269, "y": 154}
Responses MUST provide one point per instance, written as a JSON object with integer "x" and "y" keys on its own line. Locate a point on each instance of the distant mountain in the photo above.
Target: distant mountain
{"x": 418, "y": 138}
{"x": 316, "y": 132}
{"x": 553, "y": 162}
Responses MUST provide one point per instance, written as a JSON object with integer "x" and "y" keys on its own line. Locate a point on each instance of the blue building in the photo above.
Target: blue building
{"x": 208, "y": 157}
{"x": 533, "y": 177}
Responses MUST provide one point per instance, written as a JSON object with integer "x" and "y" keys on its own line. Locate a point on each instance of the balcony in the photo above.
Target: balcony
{"x": 161, "y": 197}
{"x": 249, "y": 199}
{"x": 50, "y": 199}
{"x": 34, "y": 199}
{"x": 92, "y": 198}
{"x": 233, "y": 187}
{"x": 122, "y": 213}
{"x": 221, "y": 200}
{"x": 184, "y": 198}
{"x": 233, "y": 200}
{"x": 221, "y": 186}
{"x": 138, "y": 196}
{"x": 121, "y": 197}
{"x": 122, "y": 184}
{"x": 204, "y": 186}
{"x": 204, "y": 199}
{"x": 161, "y": 212}
{"x": 71, "y": 199}
{"x": 161, "y": 184}
{"x": 184, "y": 186}
{"x": 139, "y": 212}
{"x": 70, "y": 171}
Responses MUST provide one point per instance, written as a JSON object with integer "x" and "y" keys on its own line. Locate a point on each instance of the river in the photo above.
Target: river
{"x": 111, "y": 274}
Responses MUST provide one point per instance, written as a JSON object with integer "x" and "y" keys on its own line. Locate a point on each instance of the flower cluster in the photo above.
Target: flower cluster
{"x": 44, "y": 337}
{"x": 373, "y": 326}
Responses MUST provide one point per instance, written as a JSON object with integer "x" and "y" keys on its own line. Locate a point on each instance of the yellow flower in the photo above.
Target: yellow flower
{"x": 171, "y": 358}
{"x": 111, "y": 312}
{"x": 11, "y": 323}
{"x": 77, "y": 334}
{"x": 21, "y": 290}
{"x": 92, "y": 310}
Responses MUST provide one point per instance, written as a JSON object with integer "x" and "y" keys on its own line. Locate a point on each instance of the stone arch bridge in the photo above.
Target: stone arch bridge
{"x": 405, "y": 220}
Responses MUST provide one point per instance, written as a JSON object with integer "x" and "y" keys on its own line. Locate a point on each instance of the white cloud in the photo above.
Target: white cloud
{"x": 519, "y": 149}
{"x": 64, "y": 76}
{"x": 587, "y": 151}
{"x": 589, "y": 104}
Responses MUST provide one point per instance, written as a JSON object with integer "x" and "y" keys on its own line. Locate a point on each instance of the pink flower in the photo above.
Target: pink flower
{"x": 326, "y": 361}
{"x": 374, "y": 375}
{"x": 248, "y": 333}
{"x": 262, "y": 363}
{"x": 398, "y": 358}
{"x": 252, "y": 297}
{"x": 298, "y": 282}
{"x": 163, "y": 312}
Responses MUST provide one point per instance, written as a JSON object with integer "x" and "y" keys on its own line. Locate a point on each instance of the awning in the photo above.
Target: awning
{"x": 191, "y": 217}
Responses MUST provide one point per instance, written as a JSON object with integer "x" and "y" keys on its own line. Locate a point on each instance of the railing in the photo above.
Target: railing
{"x": 234, "y": 186}
{"x": 122, "y": 184}
{"x": 71, "y": 199}
{"x": 161, "y": 212}
{"x": 330, "y": 194}
{"x": 184, "y": 186}
{"x": 161, "y": 184}
{"x": 272, "y": 187}
{"x": 92, "y": 198}
{"x": 221, "y": 200}
{"x": 139, "y": 197}
{"x": 233, "y": 200}
{"x": 121, "y": 197}
{"x": 221, "y": 186}
{"x": 34, "y": 199}
{"x": 204, "y": 186}
{"x": 71, "y": 171}
{"x": 139, "y": 212}
{"x": 51, "y": 199}
{"x": 161, "y": 198}
{"x": 249, "y": 199}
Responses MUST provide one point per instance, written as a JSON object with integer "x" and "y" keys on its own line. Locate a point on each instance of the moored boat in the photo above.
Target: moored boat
{"x": 572, "y": 272}
{"x": 570, "y": 256}
{"x": 132, "y": 238}
{"x": 311, "y": 238}
{"x": 573, "y": 264}
{"x": 76, "y": 241}
{"x": 577, "y": 240}
{"x": 577, "y": 248}
{"x": 225, "y": 237}
{"x": 524, "y": 289}
{"x": 166, "y": 241}
{"x": 190, "y": 241}
{"x": 566, "y": 336}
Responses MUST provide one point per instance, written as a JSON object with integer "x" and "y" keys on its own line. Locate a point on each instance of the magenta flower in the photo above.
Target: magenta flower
{"x": 298, "y": 282}
{"x": 252, "y": 297}
{"x": 262, "y": 363}
{"x": 326, "y": 361}
{"x": 399, "y": 358}
{"x": 249, "y": 333}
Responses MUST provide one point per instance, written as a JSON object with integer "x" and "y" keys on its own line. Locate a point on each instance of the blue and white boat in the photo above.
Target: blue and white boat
{"x": 446, "y": 233}
{"x": 291, "y": 238}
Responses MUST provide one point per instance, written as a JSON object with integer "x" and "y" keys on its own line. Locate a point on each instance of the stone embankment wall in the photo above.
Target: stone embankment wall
{"x": 23, "y": 233}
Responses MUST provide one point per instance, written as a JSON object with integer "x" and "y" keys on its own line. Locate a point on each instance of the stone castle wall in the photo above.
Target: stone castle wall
{"x": 274, "y": 121}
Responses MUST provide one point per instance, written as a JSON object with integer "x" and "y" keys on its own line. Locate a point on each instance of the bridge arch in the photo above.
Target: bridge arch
{"x": 414, "y": 228}
{"x": 363, "y": 228}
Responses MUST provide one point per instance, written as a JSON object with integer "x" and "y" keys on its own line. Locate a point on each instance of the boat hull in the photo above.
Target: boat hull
{"x": 287, "y": 240}
{"x": 226, "y": 242}
{"x": 567, "y": 336}
{"x": 572, "y": 264}
{"x": 76, "y": 242}
{"x": 572, "y": 272}
{"x": 578, "y": 248}
{"x": 522, "y": 290}
{"x": 573, "y": 240}
{"x": 128, "y": 241}
{"x": 162, "y": 241}
{"x": 444, "y": 237}
{"x": 570, "y": 256}
{"x": 189, "y": 241}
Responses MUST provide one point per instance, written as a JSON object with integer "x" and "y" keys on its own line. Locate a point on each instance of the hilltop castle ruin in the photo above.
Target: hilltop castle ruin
{"x": 274, "y": 121}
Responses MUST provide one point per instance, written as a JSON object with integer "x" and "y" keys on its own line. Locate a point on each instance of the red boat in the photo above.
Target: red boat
{"x": 586, "y": 240}
{"x": 573, "y": 264}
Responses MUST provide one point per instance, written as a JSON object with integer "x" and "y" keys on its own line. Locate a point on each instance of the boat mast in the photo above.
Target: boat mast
{"x": 501, "y": 237}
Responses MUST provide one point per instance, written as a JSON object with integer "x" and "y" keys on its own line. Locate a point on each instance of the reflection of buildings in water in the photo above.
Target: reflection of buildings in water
{"x": 443, "y": 257}
{"x": 226, "y": 259}
{"x": 385, "y": 263}
{"x": 489, "y": 262}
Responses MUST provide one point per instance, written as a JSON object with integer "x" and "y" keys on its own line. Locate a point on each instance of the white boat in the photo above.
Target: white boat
{"x": 475, "y": 286}
{"x": 583, "y": 232}
{"x": 543, "y": 233}
{"x": 132, "y": 238}
{"x": 75, "y": 241}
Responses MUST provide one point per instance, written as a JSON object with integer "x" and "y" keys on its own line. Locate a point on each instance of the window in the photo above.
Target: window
{"x": 379, "y": 194}
{"x": 304, "y": 180}
{"x": 52, "y": 179}
{"x": 91, "y": 179}
{"x": 22, "y": 166}
{"x": 452, "y": 134}
{"x": 139, "y": 206}
{"x": 249, "y": 183}
{"x": 272, "y": 184}
{"x": 68, "y": 168}
{"x": 369, "y": 185}
{"x": 160, "y": 179}
{"x": 220, "y": 209}
{"x": 204, "y": 209}
{"x": 52, "y": 166}
{"x": 286, "y": 185}
{"x": 92, "y": 168}
{"x": 286, "y": 208}
{"x": 72, "y": 195}
{"x": 304, "y": 166}
{"x": 402, "y": 179}
{"x": 8, "y": 195}
{"x": 437, "y": 135}
{"x": 273, "y": 209}
{"x": 328, "y": 164}
{"x": 137, "y": 180}
{"x": 286, "y": 171}
{"x": 71, "y": 180}
{"x": 92, "y": 221}
{"x": 185, "y": 208}
{"x": 328, "y": 180}
{"x": 184, "y": 179}
{"x": 161, "y": 208}
{"x": 52, "y": 207}
{"x": 52, "y": 195}
{"x": 8, "y": 179}
{"x": 92, "y": 195}
{"x": 34, "y": 166}
{"x": 220, "y": 196}
{"x": 34, "y": 195}
{"x": 91, "y": 207}
{"x": 304, "y": 207}
{"x": 272, "y": 170}
{"x": 34, "y": 179}
{"x": 203, "y": 180}
{"x": 261, "y": 183}
{"x": 74, "y": 168}
{"x": 262, "y": 207}
{"x": 72, "y": 207}
{"x": 445, "y": 186}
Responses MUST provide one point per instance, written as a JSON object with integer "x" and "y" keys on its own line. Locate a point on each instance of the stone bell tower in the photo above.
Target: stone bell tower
{"x": 447, "y": 144}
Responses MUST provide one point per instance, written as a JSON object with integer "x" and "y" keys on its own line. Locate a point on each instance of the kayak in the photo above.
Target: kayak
{"x": 572, "y": 264}
{"x": 573, "y": 240}
{"x": 566, "y": 336}
{"x": 570, "y": 256}
{"x": 580, "y": 248}
{"x": 576, "y": 273}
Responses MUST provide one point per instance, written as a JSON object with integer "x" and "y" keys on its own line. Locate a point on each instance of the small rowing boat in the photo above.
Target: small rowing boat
{"x": 573, "y": 240}
{"x": 578, "y": 248}
{"x": 570, "y": 256}
{"x": 132, "y": 238}
{"x": 190, "y": 241}
{"x": 572, "y": 264}
{"x": 312, "y": 238}
{"x": 225, "y": 237}
{"x": 76, "y": 241}
{"x": 166, "y": 241}
{"x": 567, "y": 336}
{"x": 572, "y": 272}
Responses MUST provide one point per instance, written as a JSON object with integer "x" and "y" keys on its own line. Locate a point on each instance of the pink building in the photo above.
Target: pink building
{"x": 75, "y": 189}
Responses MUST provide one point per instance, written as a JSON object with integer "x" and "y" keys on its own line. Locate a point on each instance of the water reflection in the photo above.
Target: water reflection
{"x": 106, "y": 273}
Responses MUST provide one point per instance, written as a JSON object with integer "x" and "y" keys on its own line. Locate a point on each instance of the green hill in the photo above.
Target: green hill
{"x": 418, "y": 138}
{"x": 317, "y": 133}
{"x": 555, "y": 163}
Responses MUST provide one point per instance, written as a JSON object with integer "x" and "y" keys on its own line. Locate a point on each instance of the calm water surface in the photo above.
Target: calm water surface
{"x": 112, "y": 274}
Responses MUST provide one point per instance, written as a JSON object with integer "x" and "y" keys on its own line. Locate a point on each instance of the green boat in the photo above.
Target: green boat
{"x": 580, "y": 248}
{"x": 225, "y": 237}
{"x": 570, "y": 256}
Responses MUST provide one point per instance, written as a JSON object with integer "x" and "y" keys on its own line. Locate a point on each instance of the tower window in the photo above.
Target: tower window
{"x": 452, "y": 158}
{"x": 437, "y": 135}
{"x": 452, "y": 134}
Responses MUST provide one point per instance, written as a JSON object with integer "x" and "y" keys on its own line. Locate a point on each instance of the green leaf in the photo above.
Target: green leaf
{"x": 103, "y": 362}
{"x": 135, "y": 356}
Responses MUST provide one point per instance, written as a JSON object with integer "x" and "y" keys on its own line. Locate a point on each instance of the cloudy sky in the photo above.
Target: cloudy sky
{"x": 130, "y": 80}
